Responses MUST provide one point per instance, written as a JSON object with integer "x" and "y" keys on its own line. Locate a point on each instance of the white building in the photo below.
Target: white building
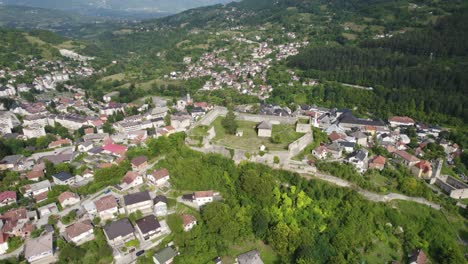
{"x": 34, "y": 131}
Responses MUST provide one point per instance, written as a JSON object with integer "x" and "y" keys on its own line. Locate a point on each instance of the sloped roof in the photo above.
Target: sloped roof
{"x": 265, "y": 125}
{"x": 78, "y": 228}
{"x": 121, "y": 227}
{"x": 165, "y": 254}
{"x": 148, "y": 223}
{"x": 37, "y": 246}
{"x": 138, "y": 197}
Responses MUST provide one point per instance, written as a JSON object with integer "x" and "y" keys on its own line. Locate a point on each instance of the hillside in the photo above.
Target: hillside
{"x": 421, "y": 74}
{"x": 118, "y": 8}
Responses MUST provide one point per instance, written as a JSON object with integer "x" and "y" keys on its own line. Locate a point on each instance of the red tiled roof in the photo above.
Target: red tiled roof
{"x": 139, "y": 160}
{"x": 40, "y": 197}
{"x": 188, "y": 219}
{"x": 203, "y": 194}
{"x": 105, "y": 203}
{"x": 78, "y": 228}
{"x": 7, "y": 195}
{"x": 379, "y": 160}
{"x": 66, "y": 195}
{"x": 130, "y": 177}
{"x": 401, "y": 119}
{"x": 335, "y": 136}
{"x": 158, "y": 174}
{"x": 35, "y": 174}
{"x": 114, "y": 148}
{"x": 406, "y": 156}
{"x": 424, "y": 165}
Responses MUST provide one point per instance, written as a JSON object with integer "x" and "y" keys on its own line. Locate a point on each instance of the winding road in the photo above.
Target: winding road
{"x": 375, "y": 197}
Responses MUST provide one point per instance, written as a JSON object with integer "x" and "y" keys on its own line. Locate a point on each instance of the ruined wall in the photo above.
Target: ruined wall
{"x": 297, "y": 146}
{"x": 275, "y": 120}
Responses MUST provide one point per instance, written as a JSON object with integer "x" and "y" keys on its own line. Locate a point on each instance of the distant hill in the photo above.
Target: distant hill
{"x": 118, "y": 8}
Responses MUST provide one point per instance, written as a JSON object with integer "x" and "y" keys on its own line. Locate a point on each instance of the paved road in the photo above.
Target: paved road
{"x": 375, "y": 197}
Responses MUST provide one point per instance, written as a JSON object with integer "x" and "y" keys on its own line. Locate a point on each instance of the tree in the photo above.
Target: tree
{"x": 229, "y": 123}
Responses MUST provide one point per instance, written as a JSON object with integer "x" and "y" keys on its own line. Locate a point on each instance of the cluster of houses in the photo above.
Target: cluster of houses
{"x": 56, "y": 72}
{"x": 349, "y": 139}
{"x": 236, "y": 74}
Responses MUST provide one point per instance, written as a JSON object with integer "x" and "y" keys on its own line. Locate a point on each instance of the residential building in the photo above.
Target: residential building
{"x": 140, "y": 201}
{"x": 35, "y": 175}
{"x": 106, "y": 207}
{"x": 130, "y": 180}
{"x": 34, "y": 131}
{"x": 165, "y": 256}
{"x": 63, "y": 178}
{"x": 7, "y": 198}
{"x": 119, "y": 232}
{"x": 407, "y": 159}
{"x": 359, "y": 160}
{"x": 377, "y": 162}
{"x": 48, "y": 209}
{"x": 160, "y": 205}
{"x": 40, "y": 249}
{"x": 36, "y": 189}
{"x": 418, "y": 257}
{"x": 251, "y": 257}
{"x": 422, "y": 169}
{"x": 159, "y": 177}
{"x": 181, "y": 121}
{"x": 139, "y": 162}
{"x": 68, "y": 198}
{"x": 264, "y": 129}
{"x": 396, "y": 121}
{"x": 10, "y": 162}
{"x": 320, "y": 152}
{"x": 148, "y": 227}
{"x": 188, "y": 221}
{"x": 80, "y": 232}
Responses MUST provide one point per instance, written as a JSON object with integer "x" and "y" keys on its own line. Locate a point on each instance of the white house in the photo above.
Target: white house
{"x": 39, "y": 249}
{"x": 34, "y": 131}
{"x": 148, "y": 227}
{"x": 68, "y": 199}
{"x": 140, "y": 201}
{"x": 38, "y": 188}
{"x": 160, "y": 205}
{"x": 159, "y": 177}
{"x": 63, "y": 178}
{"x": 106, "y": 207}
{"x": 131, "y": 179}
{"x": 80, "y": 232}
{"x": 202, "y": 198}
{"x": 188, "y": 221}
{"x": 119, "y": 232}
{"x": 48, "y": 209}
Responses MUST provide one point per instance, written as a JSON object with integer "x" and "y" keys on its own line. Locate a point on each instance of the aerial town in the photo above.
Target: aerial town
{"x": 133, "y": 212}
{"x": 70, "y": 147}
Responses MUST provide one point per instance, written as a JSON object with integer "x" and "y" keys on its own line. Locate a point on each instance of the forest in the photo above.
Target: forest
{"x": 425, "y": 68}
{"x": 303, "y": 221}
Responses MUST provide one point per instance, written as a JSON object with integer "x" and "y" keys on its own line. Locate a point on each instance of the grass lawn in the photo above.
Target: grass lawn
{"x": 250, "y": 141}
{"x": 266, "y": 252}
{"x": 199, "y": 131}
{"x": 382, "y": 252}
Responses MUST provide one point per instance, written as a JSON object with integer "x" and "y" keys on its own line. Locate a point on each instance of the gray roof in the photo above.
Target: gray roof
{"x": 63, "y": 176}
{"x": 40, "y": 185}
{"x": 36, "y": 246}
{"x": 138, "y": 197}
{"x": 165, "y": 254}
{"x": 160, "y": 198}
{"x": 251, "y": 257}
{"x": 148, "y": 223}
{"x": 12, "y": 159}
{"x": 347, "y": 144}
{"x": 265, "y": 125}
{"x": 121, "y": 227}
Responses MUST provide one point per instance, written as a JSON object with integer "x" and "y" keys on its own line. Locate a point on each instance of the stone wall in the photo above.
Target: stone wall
{"x": 275, "y": 120}
{"x": 297, "y": 146}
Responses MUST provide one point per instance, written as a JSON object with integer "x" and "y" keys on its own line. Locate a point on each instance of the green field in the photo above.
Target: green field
{"x": 250, "y": 140}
